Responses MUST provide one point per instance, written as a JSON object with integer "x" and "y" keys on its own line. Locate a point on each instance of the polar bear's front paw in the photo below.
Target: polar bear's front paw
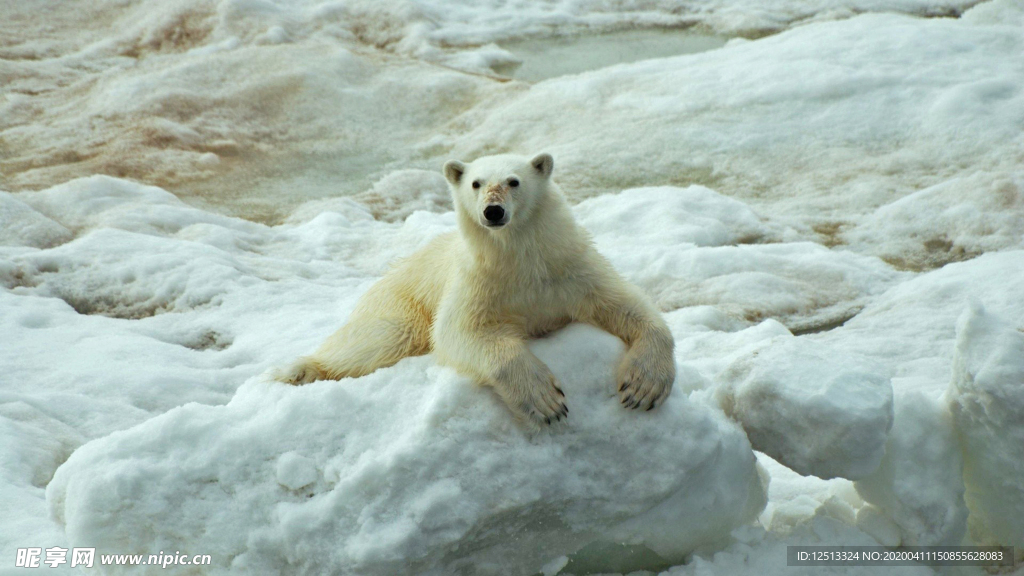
{"x": 539, "y": 401}
{"x": 303, "y": 371}
{"x": 545, "y": 402}
{"x": 645, "y": 379}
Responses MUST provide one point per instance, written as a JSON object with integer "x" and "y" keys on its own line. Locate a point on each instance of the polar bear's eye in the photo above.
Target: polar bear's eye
{"x": 476, "y": 184}
{"x": 513, "y": 183}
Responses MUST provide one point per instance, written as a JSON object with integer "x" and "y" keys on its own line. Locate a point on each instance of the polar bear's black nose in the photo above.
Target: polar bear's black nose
{"x": 494, "y": 214}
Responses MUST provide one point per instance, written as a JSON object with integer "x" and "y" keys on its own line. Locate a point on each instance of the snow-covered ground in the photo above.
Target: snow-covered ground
{"x": 829, "y": 209}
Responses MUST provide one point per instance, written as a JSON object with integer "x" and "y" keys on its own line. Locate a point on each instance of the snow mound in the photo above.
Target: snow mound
{"x": 20, "y": 225}
{"x": 667, "y": 214}
{"x": 104, "y": 202}
{"x": 816, "y": 409}
{"x": 987, "y": 400}
{"x": 413, "y": 469}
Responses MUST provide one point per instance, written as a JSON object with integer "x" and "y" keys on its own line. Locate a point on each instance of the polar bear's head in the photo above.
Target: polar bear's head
{"x": 496, "y": 192}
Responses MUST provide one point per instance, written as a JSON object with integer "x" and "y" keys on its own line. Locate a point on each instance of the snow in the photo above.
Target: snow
{"x": 749, "y": 273}
{"x": 398, "y": 478}
{"x": 828, "y": 208}
{"x": 20, "y": 225}
{"x": 756, "y": 552}
{"x": 822, "y": 122}
{"x": 295, "y": 471}
{"x": 955, "y": 220}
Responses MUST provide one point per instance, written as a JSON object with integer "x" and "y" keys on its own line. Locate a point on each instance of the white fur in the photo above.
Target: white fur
{"x": 473, "y": 298}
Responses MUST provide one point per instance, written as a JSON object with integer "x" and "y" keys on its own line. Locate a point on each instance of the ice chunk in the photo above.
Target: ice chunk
{"x": 919, "y": 485}
{"x": 421, "y": 471}
{"x": 816, "y": 409}
{"x": 793, "y": 498}
{"x": 987, "y": 400}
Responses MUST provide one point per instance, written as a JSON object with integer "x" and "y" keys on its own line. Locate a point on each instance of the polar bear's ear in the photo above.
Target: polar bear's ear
{"x": 453, "y": 171}
{"x": 543, "y": 163}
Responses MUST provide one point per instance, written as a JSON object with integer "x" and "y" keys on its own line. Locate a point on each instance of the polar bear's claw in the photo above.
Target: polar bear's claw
{"x": 301, "y": 372}
{"x": 544, "y": 403}
{"x": 646, "y": 380}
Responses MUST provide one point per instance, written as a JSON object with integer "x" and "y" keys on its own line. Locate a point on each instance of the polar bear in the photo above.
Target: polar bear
{"x": 518, "y": 267}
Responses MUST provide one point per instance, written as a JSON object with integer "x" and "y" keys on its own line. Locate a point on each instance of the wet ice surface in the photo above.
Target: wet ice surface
{"x": 544, "y": 58}
{"x": 830, "y": 215}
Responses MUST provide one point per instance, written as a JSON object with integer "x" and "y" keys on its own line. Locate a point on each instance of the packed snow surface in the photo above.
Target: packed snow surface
{"x": 828, "y": 208}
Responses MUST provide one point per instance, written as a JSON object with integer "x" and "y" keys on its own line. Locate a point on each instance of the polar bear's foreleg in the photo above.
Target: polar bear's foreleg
{"x": 646, "y": 373}
{"x": 497, "y": 356}
{"x": 364, "y": 344}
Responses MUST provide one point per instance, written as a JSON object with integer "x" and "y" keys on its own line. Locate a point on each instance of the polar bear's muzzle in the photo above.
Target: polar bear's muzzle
{"x": 495, "y": 216}
{"x": 495, "y": 213}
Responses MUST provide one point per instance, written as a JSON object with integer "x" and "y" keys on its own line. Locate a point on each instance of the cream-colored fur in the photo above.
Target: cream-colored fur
{"x": 474, "y": 297}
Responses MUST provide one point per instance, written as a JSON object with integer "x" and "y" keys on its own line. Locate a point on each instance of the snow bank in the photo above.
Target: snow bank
{"x": 816, "y": 409}
{"x": 212, "y": 295}
{"x": 142, "y": 304}
{"x": 987, "y": 399}
{"x": 652, "y": 217}
{"x": 214, "y": 301}
{"x": 414, "y": 469}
